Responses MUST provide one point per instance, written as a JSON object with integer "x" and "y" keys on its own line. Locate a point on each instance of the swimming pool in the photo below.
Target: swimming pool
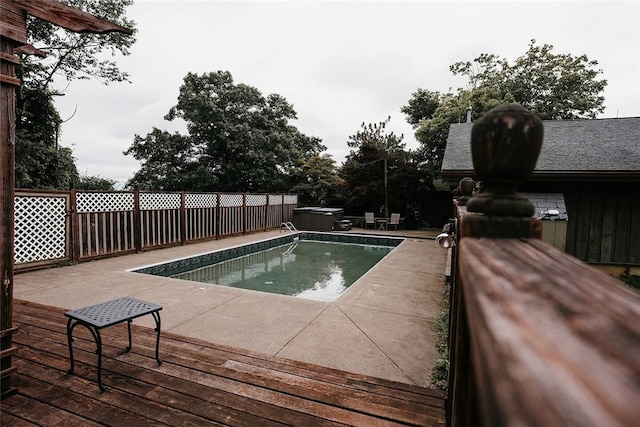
{"x": 318, "y": 266}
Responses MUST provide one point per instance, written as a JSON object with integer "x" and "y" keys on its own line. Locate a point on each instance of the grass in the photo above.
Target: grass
{"x": 631, "y": 280}
{"x": 440, "y": 373}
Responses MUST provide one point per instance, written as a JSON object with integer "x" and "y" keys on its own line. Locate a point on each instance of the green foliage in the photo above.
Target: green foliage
{"x": 631, "y": 280}
{"x": 44, "y": 167}
{"x": 317, "y": 181}
{"x": 554, "y": 86}
{"x": 86, "y": 182}
{"x": 238, "y": 140}
{"x": 440, "y": 373}
{"x": 422, "y": 105}
{"x": 78, "y": 55}
{"x": 40, "y": 163}
{"x": 169, "y": 163}
{"x": 376, "y": 156}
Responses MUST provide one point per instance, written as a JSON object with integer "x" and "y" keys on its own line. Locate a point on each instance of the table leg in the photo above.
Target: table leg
{"x": 70, "y": 340}
{"x": 71, "y": 324}
{"x": 129, "y": 330}
{"x": 156, "y": 317}
{"x": 99, "y": 353}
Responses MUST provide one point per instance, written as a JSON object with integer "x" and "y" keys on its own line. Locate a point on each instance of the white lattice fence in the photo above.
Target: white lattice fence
{"x": 105, "y": 223}
{"x": 160, "y": 219}
{"x": 274, "y": 216}
{"x": 290, "y": 203}
{"x": 231, "y": 220}
{"x": 160, "y": 201}
{"x": 231, "y": 200}
{"x": 200, "y": 215}
{"x": 256, "y": 215}
{"x": 274, "y": 211}
{"x": 95, "y": 201}
{"x": 231, "y": 214}
{"x": 256, "y": 218}
{"x": 40, "y": 229}
{"x": 290, "y": 199}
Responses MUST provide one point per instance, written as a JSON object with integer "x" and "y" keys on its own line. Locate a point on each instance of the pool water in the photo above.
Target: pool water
{"x": 309, "y": 269}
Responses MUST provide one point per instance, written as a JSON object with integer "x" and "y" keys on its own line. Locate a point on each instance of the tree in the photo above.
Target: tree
{"x": 423, "y": 104}
{"x": 169, "y": 163}
{"x": 317, "y": 181}
{"x": 86, "y": 182}
{"x": 379, "y": 173}
{"x": 40, "y": 163}
{"x": 78, "y": 55}
{"x": 554, "y": 86}
{"x": 238, "y": 140}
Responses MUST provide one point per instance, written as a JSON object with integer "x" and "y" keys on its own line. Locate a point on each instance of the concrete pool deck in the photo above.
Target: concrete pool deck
{"x": 381, "y": 326}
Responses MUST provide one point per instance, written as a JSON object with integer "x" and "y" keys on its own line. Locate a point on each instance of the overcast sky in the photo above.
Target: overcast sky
{"x": 339, "y": 63}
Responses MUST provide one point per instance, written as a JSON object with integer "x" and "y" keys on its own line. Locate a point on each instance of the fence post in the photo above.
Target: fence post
{"x": 75, "y": 232}
{"x": 244, "y": 213}
{"x": 183, "y": 219}
{"x": 8, "y": 87}
{"x": 282, "y": 209}
{"x": 137, "y": 222}
{"x": 266, "y": 214}
{"x": 217, "y": 218}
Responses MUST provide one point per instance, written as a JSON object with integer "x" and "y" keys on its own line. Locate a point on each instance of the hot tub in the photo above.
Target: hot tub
{"x": 317, "y": 219}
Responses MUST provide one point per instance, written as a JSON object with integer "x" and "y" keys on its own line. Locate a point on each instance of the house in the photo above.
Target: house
{"x": 595, "y": 165}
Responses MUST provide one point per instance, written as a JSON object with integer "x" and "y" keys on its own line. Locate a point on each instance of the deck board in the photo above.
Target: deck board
{"x": 198, "y": 383}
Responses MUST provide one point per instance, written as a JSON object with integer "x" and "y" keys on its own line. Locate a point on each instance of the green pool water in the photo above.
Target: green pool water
{"x": 309, "y": 269}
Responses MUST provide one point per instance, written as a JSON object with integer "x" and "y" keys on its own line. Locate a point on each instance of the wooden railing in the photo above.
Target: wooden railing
{"x": 537, "y": 337}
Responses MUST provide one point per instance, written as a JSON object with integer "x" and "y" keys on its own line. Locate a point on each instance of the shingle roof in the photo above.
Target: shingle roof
{"x": 544, "y": 202}
{"x": 570, "y": 147}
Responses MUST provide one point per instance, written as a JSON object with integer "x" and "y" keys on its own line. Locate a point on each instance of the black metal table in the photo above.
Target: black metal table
{"x": 103, "y": 315}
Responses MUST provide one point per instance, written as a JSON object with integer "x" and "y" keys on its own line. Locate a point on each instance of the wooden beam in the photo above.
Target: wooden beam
{"x": 68, "y": 17}
{"x": 27, "y": 49}
{"x": 9, "y": 58}
{"x": 8, "y": 332}
{"x": 7, "y": 183}
{"x": 10, "y": 80}
{"x": 13, "y": 25}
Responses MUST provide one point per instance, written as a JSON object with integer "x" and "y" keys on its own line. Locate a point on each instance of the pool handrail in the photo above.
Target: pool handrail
{"x": 289, "y": 226}
{"x": 291, "y": 247}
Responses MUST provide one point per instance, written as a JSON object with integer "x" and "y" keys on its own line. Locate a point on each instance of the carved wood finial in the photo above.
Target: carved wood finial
{"x": 465, "y": 190}
{"x": 505, "y": 145}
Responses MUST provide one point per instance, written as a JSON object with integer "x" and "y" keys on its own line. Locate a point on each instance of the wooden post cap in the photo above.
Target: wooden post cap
{"x": 465, "y": 190}
{"x": 505, "y": 145}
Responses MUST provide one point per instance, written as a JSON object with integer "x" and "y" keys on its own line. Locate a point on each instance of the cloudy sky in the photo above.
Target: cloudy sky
{"x": 339, "y": 63}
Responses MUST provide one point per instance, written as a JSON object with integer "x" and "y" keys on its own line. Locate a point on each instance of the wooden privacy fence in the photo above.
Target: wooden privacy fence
{"x": 537, "y": 337}
{"x": 73, "y": 226}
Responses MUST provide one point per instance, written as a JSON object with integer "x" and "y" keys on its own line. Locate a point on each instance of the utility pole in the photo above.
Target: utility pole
{"x": 386, "y": 184}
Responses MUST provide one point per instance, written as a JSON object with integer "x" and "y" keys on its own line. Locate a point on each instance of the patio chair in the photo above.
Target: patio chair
{"x": 369, "y": 219}
{"x": 394, "y": 220}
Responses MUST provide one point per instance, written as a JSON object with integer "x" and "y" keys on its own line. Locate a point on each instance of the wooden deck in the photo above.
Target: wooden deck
{"x": 199, "y": 383}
